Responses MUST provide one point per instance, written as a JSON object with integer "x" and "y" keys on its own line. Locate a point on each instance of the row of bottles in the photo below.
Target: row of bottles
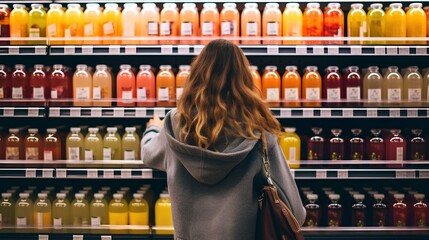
{"x": 150, "y": 21}
{"x": 365, "y": 207}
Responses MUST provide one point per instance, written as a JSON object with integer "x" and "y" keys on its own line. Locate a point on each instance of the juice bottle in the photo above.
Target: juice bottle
{"x": 356, "y": 22}
{"x": 291, "y": 85}
{"x": 74, "y": 24}
{"x": 82, "y": 86}
{"x": 420, "y": 211}
{"x": 118, "y": 210}
{"x": 130, "y": 23}
{"x": 417, "y": 149}
{"x": 293, "y": 22}
{"x": 61, "y": 210}
{"x": 112, "y": 145}
{"x": 111, "y": 23}
{"x": 75, "y": 145}
{"x": 102, "y": 85}
{"x": 376, "y": 23}
{"x": 189, "y": 23}
{"x": 357, "y": 145}
{"x": 352, "y": 85}
{"x": 181, "y": 78}
{"x": 19, "y": 18}
{"x": 149, "y": 20}
{"x": 271, "y": 86}
{"x": 99, "y": 210}
{"x": 33, "y": 145}
{"x": 42, "y": 211}
{"x": 230, "y": 22}
{"x": 60, "y": 83}
{"x": 312, "y": 22}
{"x": 4, "y": 23}
{"x": 413, "y": 84}
{"x": 257, "y": 81}
{"x": 311, "y": 87}
{"x": 24, "y": 210}
{"x": 170, "y": 23}
{"x": 316, "y": 145}
{"x": 251, "y": 23}
{"x": 379, "y": 211}
{"x": 372, "y": 86}
{"x": 131, "y": 144}
{"x": 15, "y": 149}
{"x": 272, "y": 23}
{"x": 7, "y": 209}
{"x": 399, "y": 212}
{"x": 395, "y": 147}
{"x": 392, "y": 86}
{"x": 375, "y": 148}
{"x": 51, "y": 145}
{"x": 37, "y": 23}
{"x": 332, "y": 85}
{"x": 416, "y": 22}
{"x": 163, "y": 214}
{"x": 336, "y": 148}
{"x": 39, "y": 86}
{"x": 125, "y": 85}
{"x": 165, "y": 86}
{"x": 93, "y": 21}
{"x": 19, "y": 79}
{"x": 139, "y": 211}
{"x": 313, "y": 211}
{"x": 396, "y": 23}
{"x": 333, "y": 24}
{"x": 5, "y": 85}
{"x": 145, "y": 82}
{"x": 209, "y": 21}
{"x": 80, "y": 211}
{"x": 93, "y": 145}
{"x": 359, "y": 211}
{"x": 425, "y": 90}
{"x": 335, "y": 211}
{"x": 291, "y": 146}
{"x": 55, "y": 23}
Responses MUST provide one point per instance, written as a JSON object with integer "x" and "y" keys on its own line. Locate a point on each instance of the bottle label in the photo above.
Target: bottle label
{"x": 333, "y": 94}
{"x": 163, "y": 94}
{"x": 312, "y": 93}
{"x": 1, "y": 92}
{"x": 179, "y": 92}
{"x": 89, "y": 154}
{"x": 89, "y": 29}
{"x": 67, "y": 33}
{"x": 21, "y": 221}
{"x": 291, "y": 93}
{"x": 353, "y": 93}
{"x": 58, "y": 222}
{"x": 414, "y": 94}
{"x": 38, "y": 93}
{"x": 108, "y": 28}
{"x": 166, "y": 28}
{"x": 1, "y": 219}
{"x": 152, "y": 28}
{"x": 186, "y": 29}
{"x": 82, "y": 93}
{"x": 394, "y": 94}
{"x": 107, "y": 153}
{"x": 95, "y": 221}
{"x": 207, "y": 29}
{"x": 34, "y": 32}
{"x": 129, "y": 155}
{"x": 273, "y": 94}
{"x": 17, "y": 93}
{"x": 141, "y": 94}
{"x": 39, "y": 219}
{"x": 399, "y": 153}
{"x": 252, "y": 29}
{"x": 52, "y": 30}
{"x": 374, "y": 95}
{"x": 12, "y": 153}
{"x": 127, "y": 95}
{"x": 227, "y": 28}
{"x": 272, "y": 28}
{"x": 96, "y": 93}
{"x": 292, "y": 154}
{"x": 48, "y": 155}
{"x": 74, "y": 153}
{"x": 129, "y": 29}
{"x": 54, "y": 93}
{"x": 32, "y": 153}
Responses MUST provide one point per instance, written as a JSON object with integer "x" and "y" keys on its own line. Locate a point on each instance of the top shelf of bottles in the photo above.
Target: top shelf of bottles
{"x": 185, "y": 1}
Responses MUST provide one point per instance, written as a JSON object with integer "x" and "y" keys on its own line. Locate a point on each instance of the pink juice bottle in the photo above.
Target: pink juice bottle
{"x": 39, "y": 85}
{"x": 145, "y": 83}
{"x": 375, "y": 146}
{"x": 417, "y": 146}
{"x": 352, "y": 87}
{"x": 19, "y": 82}
{"x": 399, "y": 211}
{"x": 125, "y": 86}
{"x": 60, "y": 83}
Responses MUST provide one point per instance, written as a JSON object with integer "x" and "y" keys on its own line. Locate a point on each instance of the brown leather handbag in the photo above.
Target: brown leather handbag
{"x": 275, "y": 219}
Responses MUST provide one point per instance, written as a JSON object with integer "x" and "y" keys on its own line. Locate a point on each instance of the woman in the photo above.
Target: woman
{"x": 211, "y": 150}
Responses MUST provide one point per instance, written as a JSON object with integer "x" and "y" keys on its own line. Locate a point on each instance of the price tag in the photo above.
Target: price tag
{"x": 14, "y": 50}
{"x": 160, "y": 112}
{"x": 325, "y": 113}
{"x": 130, "y": 49}
{"x": 424, "y": 174}
{"x": 114, "y": 49}
{"x": 183, "y": 49}
{"x": 308, "y": 112}
{"x": 92, "y": 173}
{"x": 167, "y": 49}
{"x": 372, "y": 113}
{"x": 392, "y": 50}
{"x": 404, "y": 50}
{"x": 318, "y": 50}
{"x": 106, "y": 237}
{"x": 301, "y": 50}
{"x": 321, "y": 174}
{"x": 285, "y": 113}
{"x": 394, "y": 112}
{"x": 33, "y": 112}
{"x": 343, "y": 174}
{"x": 96, "y": 112}
{"x": 198, "y": 49}
{"x": 126, "y": 173}
{"x": 77, "y": 237}
{"x": 356, "y": 50}
{"x": 147, "y": 173}
{"x": 54, "y": 112}
{"x": 119, "y": 112}
{"x": 47, "y": 173}
{"x": 347, "y": 112}
{"x": 30, "y": 173}
{"x": 412, "y": 113}
{"x": 8, "y": 112}
{"x": 43, "y": 237}
{"x": 141, "y": 112}
{"x": 61, "y": 173}
{"x": 87, "y": 50}
{"x": 380, "y": 50}
{"x": 421, "y": 50}
{"x": 408, "y": 174}
{"x": 333, "y": 50}
{"x": 109, "y": 173}
{"x": 273, "y": 49}
{"x": 40, "y": 50}
{"x": 74, "y": 112}
{"x": 69, "y": 50}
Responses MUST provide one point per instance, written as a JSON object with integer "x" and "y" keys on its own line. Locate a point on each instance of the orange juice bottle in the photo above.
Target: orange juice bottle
{"x": 82, "y": 86}
{"x": 251, "y": 23}
{"x": 19, "y": 23}
{"x": 165, "y": 86}
{"x": 182, "y": 76}
{"x": 356, "y": 22}
{"x": 272, "y": 23}
{"x": 416, "y": 22}
{"x": 170, "y": 20}
{"x": 396, "y": 23}
{"x": 312, "y": 22}
{"x": 271, "y": 86}
{"x": 74, "y": 21}
{"x": 230, "y": 21}
{"x": 4, "y": 23}
{"x": 311, "y": 87}
{"x": 130, "y": 23}
{"x": 427, "y": 21}
{"x": 55, "y": 23}
{"x": 257, "y": 81}
{"x": 291, "y": 87}
{"x": 145, "y": 82}
{"x": 112, "y": 23}
{"x": 125, "y": 86}
{"x": 292, "y": 22}
{"x": 149, "y": 20}
{"x": 93, "y": 23}
{"x": 334, "y": 22}
{"x": 209, "y": 21}
{"x": 189, "y": 23}
{"x": 102, "y": 85}
{"x": 37, "y": 23}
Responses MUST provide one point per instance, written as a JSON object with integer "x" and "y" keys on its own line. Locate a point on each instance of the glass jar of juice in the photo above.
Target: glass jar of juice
{"x": 417, "y": 149}
{"x": 74, "y": 24}
{"x": 379, "y": 211}
{"x": 75, "y": 144}
{"x": 375, "y": 146}
{"x": 257, "y": 81}
{"x": 312, "y": 23}
{"x": 118, "y": 210}
{"x": 291, "y": 146}
{"x": 92, "y": 23}
{"x": 293, "y": 22}
{"x": 5, "y": 85}
{"x": 251, "y": 23}
{"x": 230, "y": 21}
{"x": 131, "y": 144}
{"x": 334, "y": 22}
{"x": 4, "y": 23}
{"x": 372, "y": 86}
{"x": 271, "y": 85}
{"x": 352, "y": 85}
{"x": 125, "y": 85}
{"x": 359, "y": 211}
{"x": 313, "y": 211}
{"x": 332, "y": 85}
{"x": 420, "y": 211}
{"x": 111, "y": 23}
{"x": 181, "y": 78}
{"x": 395, "y": 146}
{"x": 19, "y": 79}
{"x": 392, "y": 86}
{"x": 130, "y": 23}
{"x": 209, "y": 21}
{"x": 39, "y": 86}
{"x": 413, "y": 84}
{"x": 170, "y": 23}
{"x": 335, "y": 211}
{"x": 37, "y": 22}
{"x": 356, "y": 22}
{"x": 149, "y": 21}
{"x": 60, "y": 83}
{"x": 55, "y": 23}
{"x": 425, "y": 90}
{"x": 51, "y": 145}
{"x": 165, "y": 86}
{"x": 336, "y": 148}
{"x": 146, "y": 91}
{"x": 139, "y": 210}
{"x": 272, "y": 23}
{"x": 33, "y": 145}
{"x": 291, "y": 85}
{"x": 357, "y": 145}
{"x": 93, "y": 145}
{"x": 82, "y": 86}
{"x": 311, "y": 87}
{"x": 19, "y": 19}
{"x": 15, "y": 149}
{"x": 163, "y": 214}
{"x": 399, "y": 211}
{"x": 102, "y": 85}
{"x": 396, "y": 23}
{"x": 189, "y": 23}
{"x": 316, "y": 145}
{"x": 416, "y": 22}
{"x": 112, "y": 145}
{"x": 376, "y": 23}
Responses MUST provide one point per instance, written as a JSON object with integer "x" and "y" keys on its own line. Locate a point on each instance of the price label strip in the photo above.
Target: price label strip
{"x": 8, "y": 112}
{"x": 380, "y": 50}
{"x": 394, "y": 112}
{"x": 106, "y": 237}
{"x": 343, "y": 174}
{"x": 406, "y": 174}
{"x": 321, "y": 174}
{"x": 75, "y": 112}
{"x": 404, "y": 50}
{"x": 166, "y": 49}
{"x": 54, "y": 112}
{"x": 356, "y": 50}
{"x": 33, "y": 112}
{"x": 61, "y": 173}
{"x": 109, "y": 173}
{"x": 77, "y": 237}
{"x": 333, "y": 50}
{"x": 96, "y": 112}
{"x": 92, "y": 173}
{"x": 114, "y": 49}
{"x": 126, "y": 173}
{"x": 391, "y": 50}
{"x": 318, "y": 50}
{"x": 273, "y": 50}
{"x": 119, "y": 112}
{"x": 69, "y": 50}
{"x": 160, "y": 112}
{"x": 412, "y": 113}
{"x": 285, "y": 113}
{"x": 301, "y": 50}
{"x": 47, "y": 173}
{"x": 198, "y": 49}
{"x": 372, "y": 112}
{"x": 141, "y": 112}
{"x": 40, "y": 50}
{"x": 14, "y": 50}
{"x": 347, "y": 112}
{"x": 325, "y": 113}
{"x": 424, "y": 174}
{"x": 184, "y": 49}
{"x": 30, "y": 173}
{"x": 130, "y": 49}
{"x": 43, "y": 237}
{"x": 87, "y": 50}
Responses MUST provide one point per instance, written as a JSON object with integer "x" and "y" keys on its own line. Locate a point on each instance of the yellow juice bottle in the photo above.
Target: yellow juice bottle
{"x": 356, "y": 23}
{"x": 139, "y": 210}
{"x": 24, "y": 211}
{"x": 102, "y": 86}
{"x": 82, "y": 86}
{"x": 416, "y": 22}
{"x": 112, "y": 145}
{"x": 291, "y": 146}
{"x": 75, "y": 144}
{"x": 376, "y": 23}
{"x": 112, "y": 23}
{"x": 118, "y": 210}
{"x": 93, "y": 145}
{"x": 7, "y": 209}
{"x": 131, "y": 144}
{"x": 19, "y": 18}
{"x": 99, "y": 210}
{"x": 163, "y": 214}
{"x": 74, "y": 24}
{"x": 93, "y": 23}
{"x": 413, "y": 86}
{"x": 55, "y": 23}
{"x": 61, "y": 210}
{"x": 37, "y": 23}
{"x": 42, "y": 211}
{"x": 80, "y": 211}
{"x": 292, "y": 22}
{"x": 396, "y": 23}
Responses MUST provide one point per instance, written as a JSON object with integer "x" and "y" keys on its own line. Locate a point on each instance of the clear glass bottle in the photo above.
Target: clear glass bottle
{"x": 80, "y": 211}
{"x": 93, "y": 145}
{"x": 420, "y": 211}
{"x": 399, "y": 211}
{"x": 375, "y": 147}
{"x": 7, "y": 209}
{"x": 379, "y": 211}
{"x": 418, "y": 147}
{"x": 99, "y": 210}
{"x": 131, "y": 144}
{"x": 357, "y": 145}
{"x": 372, "y": 86}
{"x": 413, "y": 84}
{"x": 75, "y": 144}
{"x": 61, "y": 210}
{"x": 316, "y": 145}
{"x": 42, "y": 211}
{"x": 359, "y": 211}
{"x": 335, "y": 211}
{"x": 112, "y": 145}
{"x": 313, "y": 211}
{"x": 336, "y": 148}
{"x": 392, "y": 86}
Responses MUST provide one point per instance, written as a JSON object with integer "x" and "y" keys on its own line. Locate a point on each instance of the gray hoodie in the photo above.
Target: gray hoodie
{"x": 214, "y": 194}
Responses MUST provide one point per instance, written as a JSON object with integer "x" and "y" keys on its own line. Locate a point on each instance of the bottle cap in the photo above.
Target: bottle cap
{"x": 399, "y": 196}
{"x": 396, "y": 5}
{"x": 69, "y": 188}
{"x": 36, "y": 5}
{"x": 419, "y": 196}
{"x": 376, "y": 5}
{"x": 293, "y": 5}
{"x": 290, "y": 129}
{"x": 101, "y": 67}
{"x": 359, "y": 197}
{"x": 24, "y": 195}
{"x": 125, "y": 67}
{"x": 98, "y": 196}
{"x": 271, "y": 68}
{"x": 185, "y": 68}
{"x": 291, "y": 68}
{"x": 112, "y": 129}
{"x": 145, "y": 67}
{"x": 33, "y": 130}
{"x": 93, "y": 130}
{"x": 61, "y": 195}
{"x": 334, "y": 5}
{"x": 311, "y": 68}
{"x": 130, "y": 5}
{"x": 6, "y": 195}
{"x": 164, "y": 195}
{"x": 189, "y": 5}
{"x": 14, "y": 130}
{"x": 81, "y": 67}
{"x": 313, "y": 5}
{"x": 111, "y": 5}
{"x": 18, "y": 6}
{"x": 334, "y": 197}
{"x": 312, "y": 197}
{"x": 272, "y": 5}
{"x": 209, "y": 5}
{"x": 58, "y": 66}
{"x": 73, "y": 5}
{"x": 416, "y": 5}
{"x": 118, "y": 196}
{"x": 39, "y": 66}
{"x": 230, "y": 5}
{"x": 138, "y": 195}
{"x": 333, "y": 68}
{"x": 253, "y": 68}
{"x": 79, "y": 195}
{"x": 169, "y": 5}
{"x": 51, "y": 130}
{"x": 4, "y": 6}
{"x": 105, "y": 188}
{"x": 42, "y": 195}
{"x": 357, "y": 5}
{"x": 130, "y": 129}
{"x": 19, "y": 66}
{"x": 165, "y": 67}
{"x": 125, "y": 189}
{"x": 92, "y": 5}
{"x": 379, "y": 196}
{"x": 251, "y": 5}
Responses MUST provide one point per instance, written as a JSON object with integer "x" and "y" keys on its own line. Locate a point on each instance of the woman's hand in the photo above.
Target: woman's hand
{"x": 155, "y": 121}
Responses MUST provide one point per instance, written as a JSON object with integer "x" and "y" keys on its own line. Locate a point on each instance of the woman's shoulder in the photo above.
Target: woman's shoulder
{"x": 272, "y": 139}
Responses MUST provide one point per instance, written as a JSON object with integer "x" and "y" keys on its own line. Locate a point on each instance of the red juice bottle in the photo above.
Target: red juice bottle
{"x": 359, "y": 211}
{"x": 316, "y": 145}
{"x": 4, "y": 24}
{"x": 125, "y": 86}
{"x": 399, "y": 211}
{"x": 39, "y": 86}
{"x": 313, "y": 211}
{"x": 336, "y": 145}
{"x": 356, "y": 145}
{"x": 333, "y": 22}
{"x": 60, "y": 83}
{"x": 395, "y": 148}
{"x": 5, "y": 87}
{"x": 375, "y": 146}
{"x": 420, "y": 211}
{"x": 379, "y": 211}
{"x": 19, "y": 82}
{"x": 145, "y": 84}
{"x": 332, "y": 84}
{"x": 417, "y": 146}
{"x": 352, "y": 90}
{"x": 335, "y": 211}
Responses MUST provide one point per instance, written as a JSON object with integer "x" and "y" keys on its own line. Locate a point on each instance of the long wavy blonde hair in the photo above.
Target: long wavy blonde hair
{"x": 220, "y": 98}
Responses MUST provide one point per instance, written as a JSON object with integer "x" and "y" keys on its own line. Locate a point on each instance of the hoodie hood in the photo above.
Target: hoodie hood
{"x": 207, "y": 166}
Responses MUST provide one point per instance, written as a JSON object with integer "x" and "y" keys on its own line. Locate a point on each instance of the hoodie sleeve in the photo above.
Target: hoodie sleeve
{"x": 153, "y": 148}
{"x": 282, "y": 177}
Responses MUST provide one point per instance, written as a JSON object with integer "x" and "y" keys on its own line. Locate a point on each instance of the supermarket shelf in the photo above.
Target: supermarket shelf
{"x": 366, "y": 233}
{"x": 22, "y": 112}
{"x": 110, "y": 112}
{"x": 23, "y": 50}
{"x": 203, "y": 1}
{"x": 360, "y": 174}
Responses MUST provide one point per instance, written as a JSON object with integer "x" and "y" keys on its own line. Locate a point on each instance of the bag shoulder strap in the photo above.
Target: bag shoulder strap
{"x": 266, "y": 160}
